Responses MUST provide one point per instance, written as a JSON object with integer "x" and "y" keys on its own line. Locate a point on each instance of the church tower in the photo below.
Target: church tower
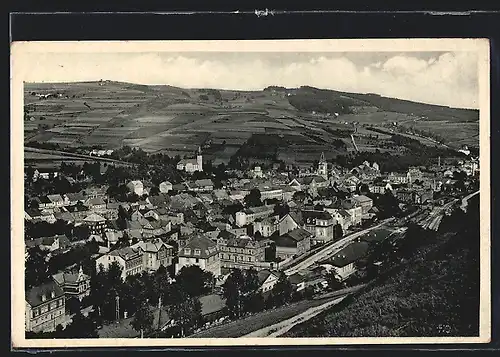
{"x": 323, "y": 167}
{"x": 199, "y": 160}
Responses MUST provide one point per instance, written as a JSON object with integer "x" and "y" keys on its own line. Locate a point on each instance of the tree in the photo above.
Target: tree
{"x": 299, "y": 196}
{"x": 155, "y": 191}
{"x": 281, "y": 210}
{"x": 338, "y": 232}
{"x": 194, "y": 281}
{"x": 253, "y": 199}
{"x": 232, "y": 291}
{"x": 186, "y": 312}
{"x": 282, "y": 291}
{"x": 333, "y": 280}
{"x": 36, "y": 268}
{"x": 81, "y": 327}
{"x": 143, "y": 319}
{"x": 123, "y": 216}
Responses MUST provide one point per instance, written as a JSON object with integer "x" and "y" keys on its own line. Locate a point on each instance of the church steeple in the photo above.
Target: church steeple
{"x": 322, "y": 158}
{"x": 323, "y": 167}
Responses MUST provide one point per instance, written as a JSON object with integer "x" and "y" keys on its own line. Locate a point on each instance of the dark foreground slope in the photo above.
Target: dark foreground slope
{"x": 434, "y": 294}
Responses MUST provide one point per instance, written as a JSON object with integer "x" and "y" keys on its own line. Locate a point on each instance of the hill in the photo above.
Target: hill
{"x": 435, "y": 293}
{"x": 177, "y": 121}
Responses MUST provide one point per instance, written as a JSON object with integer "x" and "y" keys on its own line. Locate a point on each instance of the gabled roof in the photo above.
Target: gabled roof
{"x": 362, "y": 199}
{"x": 349, "y": 254}
{"x": 94, "y": 218}
{"x": 206, "y": 246}
{"x": 62, "y": 278}
{"x": 204, "y": 182}
{"x": 152, "y": 246}
{"x": 263, "y": 274}
{"x": 211, "y": 303}
{"x": 95, "y": 201}
{"x": 55, "y": 198}
{"x": 298, "y": 234}
{"x": 313, "y": 214}
{"x": 77, "y": 196}
{"x": 33, "y": 296}
{"x": 126, "y": 253}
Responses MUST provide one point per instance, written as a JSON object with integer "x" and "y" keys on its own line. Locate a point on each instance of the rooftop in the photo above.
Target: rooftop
{"x": 34, "y": 295}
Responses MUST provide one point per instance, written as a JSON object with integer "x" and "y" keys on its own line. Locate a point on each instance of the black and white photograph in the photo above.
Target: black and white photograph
{"x": 185, "y": 193}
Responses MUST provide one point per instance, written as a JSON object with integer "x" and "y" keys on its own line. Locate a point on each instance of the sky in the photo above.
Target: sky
{"x": 443, "y": 78}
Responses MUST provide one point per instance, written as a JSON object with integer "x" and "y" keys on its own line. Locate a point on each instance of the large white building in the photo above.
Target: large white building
{"x": 191, "y": 165}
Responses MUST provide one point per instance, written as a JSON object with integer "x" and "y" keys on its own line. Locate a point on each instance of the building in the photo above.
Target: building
{"x": 399, "y": 178}
{"x": 136, "y": 187}
{"x": 257, "y": 172}
{"x": 249, "y": 215}
{"x": 322, "y": 167}
{"x": 267, "y": 279}
{"x": 355, "y": 211}
{"x": 155, "y": 253}
{"x": 191, "y": 165}
{"x": 380, "y": 188}
{"x": 266, "y": 226}
{"x": 45, "y": 307}
{"x": 414, "y": 174}
{"x": 128, "y": 258}
{"x": 204, "y": 185}
{"x": 51, "y": 244}
{"x": 165, "y": 187}
{"x": 74, "y": 285}
{"x": 293, "y": 243}
{"x": 344, "y": 261}
{"x": 57, "y": 200}
{"x": 320, "y": 224}
{"x": 96, "y": 204}
{"x": 242, "y": 252}
{"x": 96, "y": 223}
{"x": 270, "y": 192}
{"x": 200, "y": 251}
{"x": 366, "y": 203}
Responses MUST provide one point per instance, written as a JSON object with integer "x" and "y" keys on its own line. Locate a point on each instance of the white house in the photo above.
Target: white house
{"x": 165, "y": 187}
{"x": 136, "y": 187}
{"x": 267, "y": 279}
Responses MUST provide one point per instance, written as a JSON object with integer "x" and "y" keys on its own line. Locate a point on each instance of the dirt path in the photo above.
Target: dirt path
{"x": 282, "y": 327}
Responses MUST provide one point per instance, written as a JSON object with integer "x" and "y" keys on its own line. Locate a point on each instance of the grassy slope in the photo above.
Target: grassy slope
{"x": 434, "y": 294}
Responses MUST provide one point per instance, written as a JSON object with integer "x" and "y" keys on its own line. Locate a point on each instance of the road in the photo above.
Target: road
{"x": 465, "y": 200}
{"x": 329, "y": 250}
{"x": 282, "y": 327}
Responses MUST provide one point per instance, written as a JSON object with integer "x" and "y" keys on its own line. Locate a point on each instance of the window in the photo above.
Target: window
{"x": 197, "y": 252}
{"x": 197, "y": 260}
{"x": 187, "y": 251}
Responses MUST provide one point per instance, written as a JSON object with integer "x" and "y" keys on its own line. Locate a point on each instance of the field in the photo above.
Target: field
{"x": 178, "y": 121}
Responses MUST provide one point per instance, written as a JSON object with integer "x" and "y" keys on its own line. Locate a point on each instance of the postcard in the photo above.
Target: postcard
{"x": 278, "y": 192}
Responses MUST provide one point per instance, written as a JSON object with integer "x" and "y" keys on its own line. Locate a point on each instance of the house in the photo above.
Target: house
{"x": 175, "y": 217}
{"x": 267, "y": 279}
{"x": 293, "y": 243}
{"x": 270, "y": 192}
{"x": 354, "y": 209}
{"x": 204, "y": 185}
{"x": 320, "y": 224}
{"x": 57, "y": 200}
{"x": 45, "y": 174}
{"x": 64, "y": 216}
{"x": 191, "y": 165}
{"x": 165, "y": 187}
{"x": 74, "y": 285}
{"x": 380, "y": 188}
{"x": 44, "y": 202}
{"x": 242, "y": 252}
{"x": 343, "y": 262}
{"x": 73, "y": 198}
{"x": 155, "y": 253}
{"x": 45, "y": 307}
{"x": 404, "y": 195}
{"x": 298, "y": 281}
{"x": 399, "y": 178}
{"x": 414, "y": 174}
{"x": 154, "y": 228}
{"x": 251, "y": 214}
{"x": 128, "y": 258}
{"x": 96, "y": 204}
{"x": 257, "y": 172}
{"x": 96, "y": 223}
{"x": 213, "y": 307}
{"x": 136, "y": 187}
{"x": 289, "y": 222}
{"x": 200, "y": 251}
{"x": 79, "y": 211}
{"x": 31, "y": 214}
{"x": 423, "y": 196}
{"x": 266, "y": 226}
{"x": 365, "y": 202}
{"x": 52, "y": 244}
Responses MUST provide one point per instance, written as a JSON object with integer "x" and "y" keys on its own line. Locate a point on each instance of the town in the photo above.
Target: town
{"x": 147, "y": 245}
